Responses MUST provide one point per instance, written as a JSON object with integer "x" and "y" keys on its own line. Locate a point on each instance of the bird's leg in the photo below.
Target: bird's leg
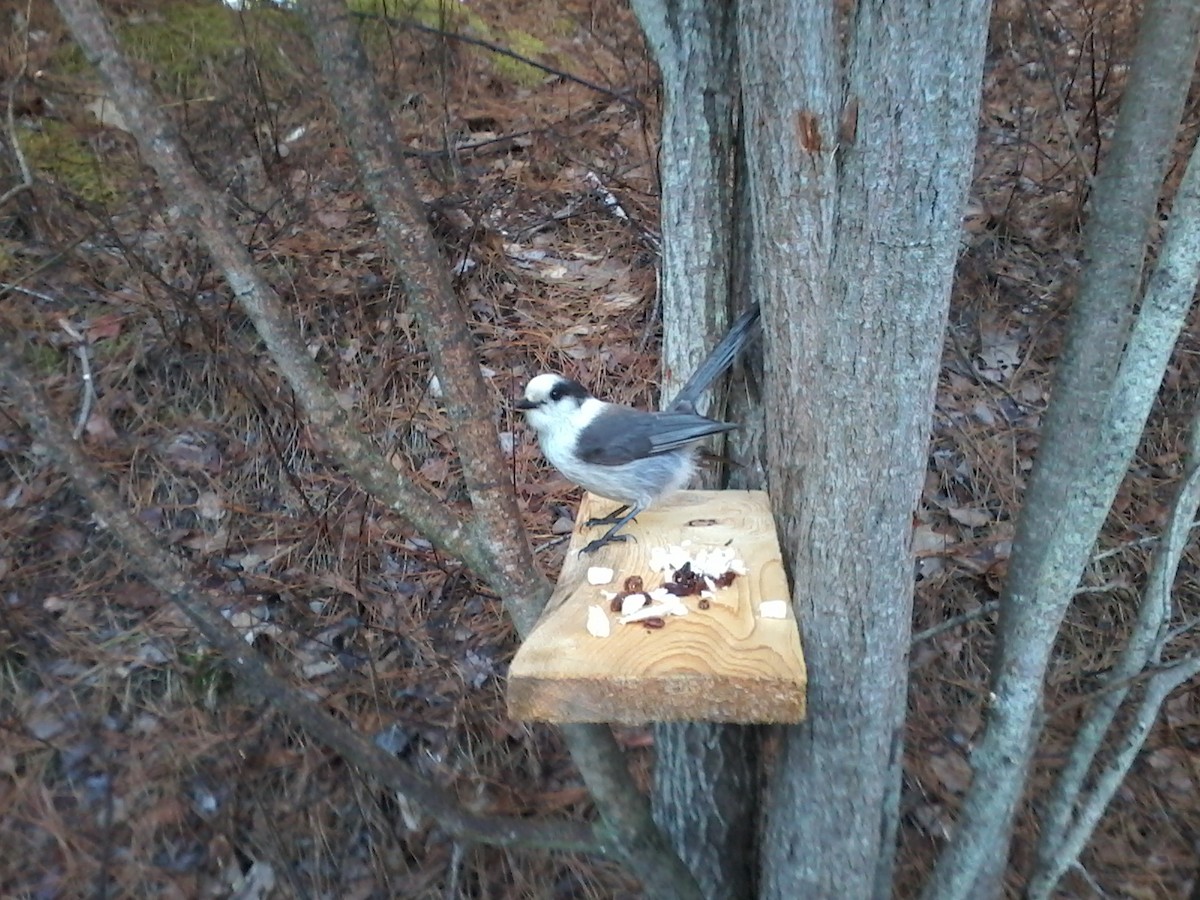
{"x": 611, "y": 536}
{"x": 614, "y": 516}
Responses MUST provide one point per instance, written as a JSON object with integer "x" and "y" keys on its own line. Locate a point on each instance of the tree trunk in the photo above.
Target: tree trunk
{"x": 857, "y": 183}
{"x": 705, "y": 775}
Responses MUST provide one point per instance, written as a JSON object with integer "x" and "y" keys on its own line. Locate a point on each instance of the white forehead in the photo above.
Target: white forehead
{"x": 539, "y": 387}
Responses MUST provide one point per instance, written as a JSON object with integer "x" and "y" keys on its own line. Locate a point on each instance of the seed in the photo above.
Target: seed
{"x": 633, "y": 584}
{"x": 653, "y": 623}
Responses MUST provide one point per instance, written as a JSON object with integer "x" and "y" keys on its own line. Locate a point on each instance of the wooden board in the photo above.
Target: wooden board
{"x": 723, "y": 664}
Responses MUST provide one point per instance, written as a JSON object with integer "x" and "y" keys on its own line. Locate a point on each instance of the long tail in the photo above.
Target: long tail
{"x": 717, "y": 362}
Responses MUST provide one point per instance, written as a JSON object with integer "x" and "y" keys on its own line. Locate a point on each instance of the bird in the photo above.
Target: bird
{"x": 624, "y": 454}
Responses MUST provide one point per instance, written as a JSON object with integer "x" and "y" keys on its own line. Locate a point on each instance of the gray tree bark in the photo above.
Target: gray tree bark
{"x": 857, "y": 179}
{"x": 1106, "y": 383}
{"x": 705, "y": 775}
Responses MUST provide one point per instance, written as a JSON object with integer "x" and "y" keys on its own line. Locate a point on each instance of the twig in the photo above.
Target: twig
{"x": 1108, "y": 781}
{"x": 1092, "y": 883}
{"x": 1137, "y": 542}
{"x": 1072, "y": 137}
{"x": 1071, "y": 813}
{"x": 6, "y": 288}
{"x": 11, "y": 120}
{"x": 613, "y": 206}
{"x": 84, "y": 351}
{"x": 198, "y": 208}
{"x": 167, "y": 573}
{"x": 954, "y": 621}
{"x": 502, "y": 51}
{"x": 454, "y": 873}
{"x": 1114, "y": 685}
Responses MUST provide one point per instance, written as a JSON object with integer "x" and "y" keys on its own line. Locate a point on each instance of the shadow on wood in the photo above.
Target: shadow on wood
{"x": 726, "y": 663}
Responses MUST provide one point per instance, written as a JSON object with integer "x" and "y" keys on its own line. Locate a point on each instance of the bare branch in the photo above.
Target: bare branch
{"x": 1070, "y": 817}
{"x": 954, "y": 621}
{"x": 1108, "y": 781}
{"x": 167, "y": 574}
{"x": 470, "y": 407}
{"x": 366, "y": 124}
{"x": 413, "y": 25}
{"x": 84, "y": 352}
{"x": 1106, "y": 385}
{"x": 10, "y": 120}
{"x": 197, "y": 208}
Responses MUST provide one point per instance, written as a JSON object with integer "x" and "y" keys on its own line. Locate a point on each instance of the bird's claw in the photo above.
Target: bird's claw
{"x": 600, "y": 542}
{"x": 611, "y": 519}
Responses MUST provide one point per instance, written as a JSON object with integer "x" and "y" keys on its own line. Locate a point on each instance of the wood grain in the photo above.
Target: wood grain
{"x": 723, "y": 664}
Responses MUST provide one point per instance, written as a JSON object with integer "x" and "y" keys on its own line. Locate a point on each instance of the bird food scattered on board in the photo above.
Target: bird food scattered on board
{"x": 693, "y": 572}
{"x": 597, "y": 622}
{"x": 599, "y": 575}
{"x": 773, "y": 609}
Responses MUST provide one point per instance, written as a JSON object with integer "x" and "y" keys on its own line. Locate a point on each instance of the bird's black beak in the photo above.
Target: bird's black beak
{"x": 524, "y": 405}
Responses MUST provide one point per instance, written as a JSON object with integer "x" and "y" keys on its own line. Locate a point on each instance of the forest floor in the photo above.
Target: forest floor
{"x": 130, "y": 759}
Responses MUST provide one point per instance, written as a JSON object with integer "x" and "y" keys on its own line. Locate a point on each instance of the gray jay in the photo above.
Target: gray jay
{"x": 624, "y": 454}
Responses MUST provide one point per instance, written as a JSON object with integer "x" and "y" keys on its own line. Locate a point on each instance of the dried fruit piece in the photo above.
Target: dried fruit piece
{"x": 725, "y": 579}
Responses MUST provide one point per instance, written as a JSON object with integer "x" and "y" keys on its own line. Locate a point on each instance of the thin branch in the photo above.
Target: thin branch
{"x": 1106, "y": 385}
{"x": 470, "y": 405}
{"x": 84, "y": 351}
{"x": 6, "y": 288}
{"x": 630, "y": 828}
{"x": 1130, "y": 545}
{"x": 198, "y": 209}
{"x": 170, "y": 577}
{"x": 1108, "y": 781}
{"x": 1072, "y": 137}
{"x": 413, "y": 25}
{"x": 1069, "y": 816}
{"x": 954, "y": 621}
{"x": 1112, "y": 686}
{"x": 11, "y": 120}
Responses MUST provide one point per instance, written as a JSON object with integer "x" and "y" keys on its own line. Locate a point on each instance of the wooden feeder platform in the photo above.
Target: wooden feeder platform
{"x": 726, "y": 663}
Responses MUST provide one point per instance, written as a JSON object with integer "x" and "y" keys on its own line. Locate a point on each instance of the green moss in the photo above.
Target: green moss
{"x": 59, "y": 153}
{"x": 43, "y": 359}
{"x": 431, "y": 13}
{"x": 453, "y": 17}
{"x": 183, "y": 42}
{"x": 8, "y": 259}
{"x": 514, "y": 70}
{"x": 208, "y": 676}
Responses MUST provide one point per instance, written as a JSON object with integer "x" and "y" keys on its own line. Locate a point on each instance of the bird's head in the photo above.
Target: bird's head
{"x": 551, "y": 401}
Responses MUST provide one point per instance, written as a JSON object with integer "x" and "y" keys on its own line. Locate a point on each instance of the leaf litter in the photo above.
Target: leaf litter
{"x": 125, "y": 729}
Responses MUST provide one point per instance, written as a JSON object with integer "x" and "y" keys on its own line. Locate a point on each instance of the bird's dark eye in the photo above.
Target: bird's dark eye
{"x": 556, "y": 394}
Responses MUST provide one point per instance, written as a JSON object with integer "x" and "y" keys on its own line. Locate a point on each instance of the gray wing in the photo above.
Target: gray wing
{"x": 628, "y": 434}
